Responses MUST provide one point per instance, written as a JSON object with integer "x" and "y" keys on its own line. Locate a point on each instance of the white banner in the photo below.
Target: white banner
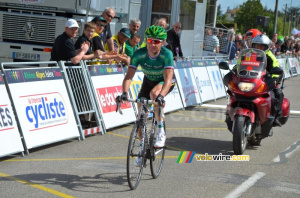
{"x": 292, "y": 66}
{"x": 10, "y": 140}
{"x": 42, "y": 105}
{"x": 283, "y": 64}
{"x": 215, "y": 76}
{"x": 107, "y": 81}
{"x": 187, "y": 84}
{"x": 202, "y": 81}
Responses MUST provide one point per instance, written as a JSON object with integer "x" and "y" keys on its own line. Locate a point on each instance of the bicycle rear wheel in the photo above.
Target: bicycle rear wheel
{"x": 157, "y": 154}
{"x": 134, "y": 172}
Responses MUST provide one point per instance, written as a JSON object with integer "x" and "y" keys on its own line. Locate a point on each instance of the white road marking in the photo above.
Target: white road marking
{"x": 288, "y": 152}
{"x": 246, "y": 185}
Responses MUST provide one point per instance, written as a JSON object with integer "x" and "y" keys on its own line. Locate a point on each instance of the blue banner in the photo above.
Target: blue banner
{"x": 100, "y": 70}
{"x": 183, "y": 64}
{"x": 211, "y": 63}
{"x": 198, "y": 63}
{"x": 32, "y": 75}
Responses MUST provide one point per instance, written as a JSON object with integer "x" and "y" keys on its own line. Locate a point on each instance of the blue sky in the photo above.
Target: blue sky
{"x": 269, "y": 3}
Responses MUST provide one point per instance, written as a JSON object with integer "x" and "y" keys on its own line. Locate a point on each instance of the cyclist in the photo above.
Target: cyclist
{"x": 158, "y": 66}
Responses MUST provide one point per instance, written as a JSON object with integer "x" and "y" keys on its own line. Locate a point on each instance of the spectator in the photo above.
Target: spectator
{"x": 286, "y": 46}
{"x": 240, "y": 45}
{"x": 88, "y": 32}
{"x": 275, "y": 38}
{"x": 162, "y": 22}
{"x": 173, "y": 41}
{"x": 97, "y": 37}
{"x": 272, "y": 47}
{"x": 211, "y": 42}
{"x": 132, "y": 44}
{"x": 231, "y": 47}
{"x": 64, "y": 48}
{"x": 119, "y": 41}
{"x": 134, "y": 25}
{"x": 277, "y": 50}
{"x": 108, "y": 14}
{"x": 222, "y": 41}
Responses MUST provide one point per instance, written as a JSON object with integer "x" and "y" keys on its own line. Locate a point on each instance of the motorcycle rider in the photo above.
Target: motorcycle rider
{"x": 262, "y": 42}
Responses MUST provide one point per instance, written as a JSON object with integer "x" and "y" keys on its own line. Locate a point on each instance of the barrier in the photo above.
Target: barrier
{"x": 292, "y": 66}
{"x": 215, "y": 76}
{"x": 10, "y": 140}
{"x": 283, "y": 64}
{"x": 41, "y": 104}
{"x": 107, "y": 84}
{"x": 203, "y": 81}
{"x": 187, "y": 84}
{"x": 83, "y": 98}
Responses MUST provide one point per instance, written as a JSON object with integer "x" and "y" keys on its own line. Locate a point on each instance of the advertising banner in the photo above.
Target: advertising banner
{"x": 187, "y": 84}
{"x": 203, "y": 81}
{"x": 10, "y": 140}
{"x": 42, "y": 105}
{"x": 107, "y": 81}
{"x": 215, "y": 76}
{"x": 283, "y": 64}
{"x": 292, "y": 66}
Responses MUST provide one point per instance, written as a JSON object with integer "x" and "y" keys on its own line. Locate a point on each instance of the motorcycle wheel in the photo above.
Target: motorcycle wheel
{"x": 239, "y": 135}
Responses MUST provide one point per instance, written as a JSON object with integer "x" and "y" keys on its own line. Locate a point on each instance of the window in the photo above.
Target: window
{"x": 161, "y": 9}
{"x": 187, "y": 14}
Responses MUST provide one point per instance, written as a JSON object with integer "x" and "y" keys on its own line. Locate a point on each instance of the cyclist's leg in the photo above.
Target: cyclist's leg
{"x": 161, "y": 135}
{"x": 146, "y": 88}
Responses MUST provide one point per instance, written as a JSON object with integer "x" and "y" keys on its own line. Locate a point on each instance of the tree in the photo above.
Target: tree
{"x": 246, "y": 16}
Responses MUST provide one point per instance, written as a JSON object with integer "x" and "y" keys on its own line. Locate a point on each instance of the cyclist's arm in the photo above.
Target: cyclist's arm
{"x": 168, "y": 76}
{"x": 127, "y": 80}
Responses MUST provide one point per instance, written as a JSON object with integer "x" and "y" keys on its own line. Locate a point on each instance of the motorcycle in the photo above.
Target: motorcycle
{"x": 249, "y": 114}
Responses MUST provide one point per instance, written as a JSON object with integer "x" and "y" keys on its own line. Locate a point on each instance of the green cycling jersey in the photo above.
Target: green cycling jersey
{"x": 153, "y": 68}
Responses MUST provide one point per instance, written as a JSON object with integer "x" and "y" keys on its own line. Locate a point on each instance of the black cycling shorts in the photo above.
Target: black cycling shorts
{"x": 148, "y": 85}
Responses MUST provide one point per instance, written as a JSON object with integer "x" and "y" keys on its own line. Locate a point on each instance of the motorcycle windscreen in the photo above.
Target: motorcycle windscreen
{"x": 251, "y": 63}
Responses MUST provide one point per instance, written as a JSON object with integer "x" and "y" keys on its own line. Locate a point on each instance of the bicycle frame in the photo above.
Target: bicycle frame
{"x": 155, "y": 155}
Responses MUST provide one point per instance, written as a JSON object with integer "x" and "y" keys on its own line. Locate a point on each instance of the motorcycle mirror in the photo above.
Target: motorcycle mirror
{"x": 276, "y": 70}
{"x": 224, "y": 65}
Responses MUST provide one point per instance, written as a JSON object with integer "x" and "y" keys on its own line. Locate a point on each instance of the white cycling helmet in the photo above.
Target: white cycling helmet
{"x": 263, "y": 40}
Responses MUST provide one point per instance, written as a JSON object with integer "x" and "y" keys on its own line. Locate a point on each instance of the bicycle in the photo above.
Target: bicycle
{"x": 155, "y": 155}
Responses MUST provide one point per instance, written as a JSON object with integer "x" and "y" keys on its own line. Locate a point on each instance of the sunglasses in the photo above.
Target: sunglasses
{"x": 101, "y": 25}
{"x": 109, "y": 15}
{"x": 178, "y": 27}
{"x": 154, "y": 41}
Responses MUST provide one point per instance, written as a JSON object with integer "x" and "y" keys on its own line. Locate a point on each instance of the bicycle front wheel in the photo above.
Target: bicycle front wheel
{"x": 157, "y": 155}
{"x": 134, "y": 172}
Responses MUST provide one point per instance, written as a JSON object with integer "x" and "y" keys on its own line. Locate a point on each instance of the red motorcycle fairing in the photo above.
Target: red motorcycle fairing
{"x": 245, "y": 112}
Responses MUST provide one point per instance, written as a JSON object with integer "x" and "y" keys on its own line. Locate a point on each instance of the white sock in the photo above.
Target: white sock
{"x": 160, "y": 125}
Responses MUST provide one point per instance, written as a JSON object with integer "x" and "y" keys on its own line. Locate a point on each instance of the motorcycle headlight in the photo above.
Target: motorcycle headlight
{"x": 243, "y": 86}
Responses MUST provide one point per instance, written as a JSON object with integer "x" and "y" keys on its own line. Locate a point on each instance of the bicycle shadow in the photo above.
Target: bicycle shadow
{"x": 201, "y": 145}
{"x": 100, "y": 183}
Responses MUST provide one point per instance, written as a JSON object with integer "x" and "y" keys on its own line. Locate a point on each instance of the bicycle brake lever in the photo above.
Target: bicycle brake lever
{"x": 118, "y": 101}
